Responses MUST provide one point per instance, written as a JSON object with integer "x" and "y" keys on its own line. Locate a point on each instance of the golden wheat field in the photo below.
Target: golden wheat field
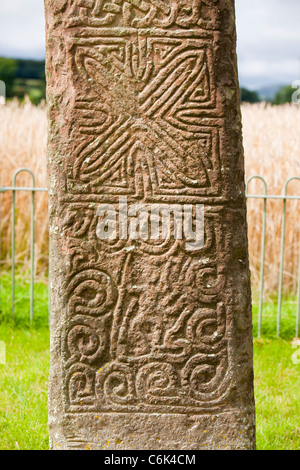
{"x": 272, "y": 150}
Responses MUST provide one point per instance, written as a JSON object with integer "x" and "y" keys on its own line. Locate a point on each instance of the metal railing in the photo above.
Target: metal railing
{"x": 14, "y": 189}
{"x": 264, "y": 197}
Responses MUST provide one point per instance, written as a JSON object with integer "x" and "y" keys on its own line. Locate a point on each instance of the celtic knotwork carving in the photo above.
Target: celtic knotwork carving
{"x": 150, "y": 293}
{"x": 81, "y": 384}
{"x": 78, "y": 257}
{"x": 163, "y": 245}
{"x": 86, "y": 344}
{"x": 77, "y": 225}
{"x": 201, "y": 331}
{"x": 92, "y": 293}
{"x": 150, "y": 138}
{"x": 147, "y": 326}
{"x": 116, "y": 383}
{"x": 158, "y": 383}
{"x": 139, "y": 13}
{"x": 203, "y": 376}
{"x": 205, "y": 329}
{"x": 162, "y": 345}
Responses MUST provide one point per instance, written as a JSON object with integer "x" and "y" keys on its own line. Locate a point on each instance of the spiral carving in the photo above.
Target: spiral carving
{"x": 116, "y": 382}
{"x": 86, "y": 344}
{"x": 203, "y": 376}
{"x": 92, "y": 293}
{"x": 205, "y": 329}
{"x": 81, "y": 384}
{"x": 157, "y": 383}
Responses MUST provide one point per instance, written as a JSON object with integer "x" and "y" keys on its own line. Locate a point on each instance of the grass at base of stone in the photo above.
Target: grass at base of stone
{"x": 23, "y": 389}
{"x": 23, "y": 392}
{"x": 277, "y": 393}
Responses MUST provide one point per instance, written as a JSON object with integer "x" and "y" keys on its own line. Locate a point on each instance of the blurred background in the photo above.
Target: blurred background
{"x": 268, "y": 48}
{"x": 269, "y": 63}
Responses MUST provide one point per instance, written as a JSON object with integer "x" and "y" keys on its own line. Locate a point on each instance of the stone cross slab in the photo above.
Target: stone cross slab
{"x": 151, "y": 338}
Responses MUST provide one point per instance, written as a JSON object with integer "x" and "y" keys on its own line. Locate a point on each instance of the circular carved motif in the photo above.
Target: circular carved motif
{"x": 116, "y": 383}
{"x": 92, "y": 293}
{"x": 157, "y": 382}
{"x": 203, "y": 328}
{"x": 81, "y": 384}
{"x": 203, "y": 375}
{"x": 86, "y": 344}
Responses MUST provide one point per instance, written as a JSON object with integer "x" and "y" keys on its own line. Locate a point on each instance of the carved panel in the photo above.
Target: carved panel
{"x": 146, "y": 324}
{"x": 146, "y": 321}
{"x": 148, "y": 125}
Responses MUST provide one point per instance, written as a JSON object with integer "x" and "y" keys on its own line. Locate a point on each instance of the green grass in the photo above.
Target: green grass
{"x": 23, "y": 380}
{"x": 269, "y": 323}
{"x": 23, "y": 389}
{"x": 22, "y": 302}
{"x": 277, "y": 392}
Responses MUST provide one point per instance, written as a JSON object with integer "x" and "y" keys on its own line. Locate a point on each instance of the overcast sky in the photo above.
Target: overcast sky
{"x": 268, "y": 37}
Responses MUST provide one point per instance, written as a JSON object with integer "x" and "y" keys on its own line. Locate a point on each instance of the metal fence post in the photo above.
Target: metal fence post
{"x": 282, "y": 250}
{"x": 14, "y": 189}
{"x": 0, "y": 242}
{"x": 298, "y": 304}
{"x": 13, "y": 242}
{"x": 263, "y": 250}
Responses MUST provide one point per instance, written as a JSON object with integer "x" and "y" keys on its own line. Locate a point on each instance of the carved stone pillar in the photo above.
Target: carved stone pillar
{"x": 151, "y": 337}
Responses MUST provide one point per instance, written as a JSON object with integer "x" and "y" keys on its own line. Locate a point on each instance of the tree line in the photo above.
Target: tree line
{"x": 283, "y": 96}
{"x": 24, "y": 77}
{"x": 27, "y": 77}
